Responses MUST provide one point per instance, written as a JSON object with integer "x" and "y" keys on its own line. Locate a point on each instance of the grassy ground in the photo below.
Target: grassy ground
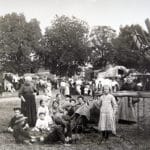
{"x": 129, "y": 137}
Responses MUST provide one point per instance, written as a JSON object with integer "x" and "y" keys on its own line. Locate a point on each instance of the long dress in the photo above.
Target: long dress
{"x": 108, "y": 108}
{"x": 127, "y": 112}
{"x": 28, "y": 108}
{"x": 45, "y": 110}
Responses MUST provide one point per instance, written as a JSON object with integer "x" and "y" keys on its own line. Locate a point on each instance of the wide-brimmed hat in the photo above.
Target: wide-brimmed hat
{"x": 20, "y": 118}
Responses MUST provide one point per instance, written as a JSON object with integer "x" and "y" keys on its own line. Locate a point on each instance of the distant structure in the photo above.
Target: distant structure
{"x": 147, "y": 22}
{"x": 141, "y": 40}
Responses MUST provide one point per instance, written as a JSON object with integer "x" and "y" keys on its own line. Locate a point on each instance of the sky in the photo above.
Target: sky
{"x": 114, "y": 13}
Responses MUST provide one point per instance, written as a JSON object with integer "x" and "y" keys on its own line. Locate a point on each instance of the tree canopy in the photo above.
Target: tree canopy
{"x": 66, "y": 45}
{"x": 101, "y": 44}
{"x": 18, "y": 38}
{"x": 126, "y": 51}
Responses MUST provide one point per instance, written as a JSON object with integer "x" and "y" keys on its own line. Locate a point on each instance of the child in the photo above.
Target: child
{"x": 12, "y": 123}
{"x": 108, "y": 108}
{"x": 47, "y": 133}
{"x": 42, "y": 123}
{"x": 17, "y": 112}
{"x": 20, "y": 131}
{"x": 44, "y": 109}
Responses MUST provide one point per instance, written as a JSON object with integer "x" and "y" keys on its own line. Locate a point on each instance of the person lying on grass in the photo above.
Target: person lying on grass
{"x": 12, "y": 123}
{"x": 55, "y": 134}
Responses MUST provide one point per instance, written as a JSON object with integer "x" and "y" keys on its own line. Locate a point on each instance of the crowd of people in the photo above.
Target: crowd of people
{"x": 63, "y": 118}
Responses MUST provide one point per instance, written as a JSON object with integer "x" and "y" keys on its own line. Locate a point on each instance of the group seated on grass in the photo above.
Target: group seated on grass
{"x": 62, "y": 121}
{"x": 59, "y": 123}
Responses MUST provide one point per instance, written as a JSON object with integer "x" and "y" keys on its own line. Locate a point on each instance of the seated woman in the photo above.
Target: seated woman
{"x": 56, "y": 109}
{"x": 84, "y": 109}
{"x": 82, "y": 113}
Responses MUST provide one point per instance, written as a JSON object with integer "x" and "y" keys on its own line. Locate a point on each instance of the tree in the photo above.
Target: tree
{"x": 18, "y": 39}
{"x": 65, "y": 43}
{"x": 101, "y": 37}
{"x": 127, "y": 52}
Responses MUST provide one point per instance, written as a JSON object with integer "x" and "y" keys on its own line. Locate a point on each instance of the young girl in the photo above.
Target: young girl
{"x": 44, "y": 109}
{"x": 42, "y": 123}
{"x": 108, "y": 108}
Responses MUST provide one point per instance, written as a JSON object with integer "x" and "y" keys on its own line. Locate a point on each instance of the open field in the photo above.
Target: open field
{"x": 129, "y": 137}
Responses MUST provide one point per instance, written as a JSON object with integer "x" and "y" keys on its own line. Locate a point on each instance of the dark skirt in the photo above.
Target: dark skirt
{"x": 28, "y": 108}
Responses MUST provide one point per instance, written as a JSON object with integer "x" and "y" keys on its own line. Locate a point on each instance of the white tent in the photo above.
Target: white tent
{"x": 113, "y": 72}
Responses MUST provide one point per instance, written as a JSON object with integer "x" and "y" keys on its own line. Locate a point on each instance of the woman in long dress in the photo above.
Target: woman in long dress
{"x": 28, "y": 104}
{"x": 127, "y": 112}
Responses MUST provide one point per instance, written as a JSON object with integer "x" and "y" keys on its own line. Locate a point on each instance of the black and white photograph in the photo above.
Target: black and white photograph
{"x": 74, "y": 75}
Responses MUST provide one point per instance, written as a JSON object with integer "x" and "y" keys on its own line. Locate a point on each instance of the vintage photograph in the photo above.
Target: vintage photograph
{"x": 74, "y": 75}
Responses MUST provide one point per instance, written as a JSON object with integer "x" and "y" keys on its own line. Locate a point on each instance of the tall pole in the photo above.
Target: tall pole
{"x": 147, "y": 22}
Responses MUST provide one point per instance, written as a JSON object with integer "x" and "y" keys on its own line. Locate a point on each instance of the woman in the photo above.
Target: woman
{"x": 127, "y": 112}
{"x": 28, "y": 104}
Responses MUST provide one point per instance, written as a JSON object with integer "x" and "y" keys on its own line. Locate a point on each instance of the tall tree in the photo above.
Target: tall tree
{"x": 18, "y": 39}
{"x": 101, "y": 37}
{"x": 65, "y": 43}
{"x": 127, "y": 51}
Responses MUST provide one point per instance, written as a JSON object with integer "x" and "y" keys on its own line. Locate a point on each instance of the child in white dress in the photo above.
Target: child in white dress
{"x": 42, "y": 124}
{"x": 108, "y": 109}
{"x": 43, "y": 108}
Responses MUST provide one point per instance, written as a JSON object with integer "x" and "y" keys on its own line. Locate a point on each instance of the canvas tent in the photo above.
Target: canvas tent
{"x": 116, "y": 71}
